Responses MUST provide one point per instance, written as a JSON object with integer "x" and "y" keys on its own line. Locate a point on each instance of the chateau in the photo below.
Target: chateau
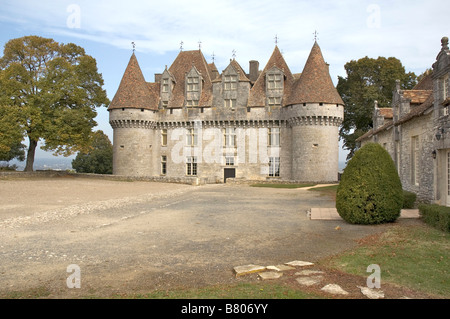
{"x": 194, "y": 123}
{"x": 415, "y": 132}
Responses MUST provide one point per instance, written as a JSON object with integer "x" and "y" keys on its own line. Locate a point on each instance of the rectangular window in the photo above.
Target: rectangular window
{"x": 230, "y": 137}
{"x": 274, "y": 81}
{"x": 273, "y": 136}
{"x": 165, "y": 85}
{"x": 164, "y": 104}
{"x": 274, "y": 166}
{"x": 230, "y": 103}
{"x": 230, "y": 82}
{"x": 191, "y": 103}
{"x": 445, "y": 87}
{"x": 192, "y": 137}
{"x": 229, "y": 160}
{"x": 163, "y": 165}
{"x": 192, "y": 84}
{"x": 274, "y": 101}
{"x": 164, "y": 137}
{"x": 191, "y": 165}
{"x": 415, "y": 160}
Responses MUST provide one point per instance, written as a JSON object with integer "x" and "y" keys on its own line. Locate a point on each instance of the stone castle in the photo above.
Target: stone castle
{"x": 194, "y": 123}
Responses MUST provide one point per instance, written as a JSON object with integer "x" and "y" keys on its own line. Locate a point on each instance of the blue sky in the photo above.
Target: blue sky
{"x": 347, "y": 30}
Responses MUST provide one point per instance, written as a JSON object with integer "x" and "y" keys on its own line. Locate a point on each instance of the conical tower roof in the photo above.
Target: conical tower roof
{"x": 133, "y": 91}
{"x": 257, "y": 93}
{"x": 315, "y": 84}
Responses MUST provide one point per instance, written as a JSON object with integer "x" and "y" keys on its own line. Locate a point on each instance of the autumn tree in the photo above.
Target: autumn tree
{"x": 98, "y": 159}
{"x": 52, "y": 91}
{"x": 368, "y": 80}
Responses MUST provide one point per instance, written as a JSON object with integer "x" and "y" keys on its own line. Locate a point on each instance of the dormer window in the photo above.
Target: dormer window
{"x": 165, "y": 85}
{"x": 274, "y": 81}
{"x": 230, "y": 82}
{"x": 445, "y": 88}
{"x": 191, "y": 103}
{"x": 192, "y": 84}
{"x": 274, "y": 101}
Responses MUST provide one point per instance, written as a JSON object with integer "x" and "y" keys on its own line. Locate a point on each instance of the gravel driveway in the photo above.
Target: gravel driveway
{"x": 128, "y": 237}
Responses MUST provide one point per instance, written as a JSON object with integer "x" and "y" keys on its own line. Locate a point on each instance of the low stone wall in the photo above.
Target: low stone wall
{"x": 51, "y": 174}
{"x": 243, "y": 181}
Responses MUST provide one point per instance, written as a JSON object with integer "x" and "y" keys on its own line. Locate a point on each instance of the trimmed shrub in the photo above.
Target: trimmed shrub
{"x": 409, "y": 199}
{"x": 370, "y": 191}
{"x": 436, "y": 216}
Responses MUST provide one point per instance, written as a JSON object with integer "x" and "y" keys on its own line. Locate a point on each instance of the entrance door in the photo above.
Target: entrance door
{"x": 228, "y": 173}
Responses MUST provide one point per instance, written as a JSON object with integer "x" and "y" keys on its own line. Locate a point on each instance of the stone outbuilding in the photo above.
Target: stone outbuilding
{"x": 415, "y": 132}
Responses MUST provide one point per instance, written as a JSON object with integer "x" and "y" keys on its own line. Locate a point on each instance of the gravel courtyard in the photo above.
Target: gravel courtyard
{"x": 138, "y": 236}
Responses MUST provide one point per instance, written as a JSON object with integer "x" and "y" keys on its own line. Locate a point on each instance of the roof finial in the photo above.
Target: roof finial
{"x": 181, "y": 45}
{"x": 199, "y": 45}
{"x": 233, "y": 54}
{"x": 315, "y": 35}
{"x": 444, "y": 42}
{"x": 276, "y": 39}
{"x": 134, "y": 46}
{"x": 213, "y": 57}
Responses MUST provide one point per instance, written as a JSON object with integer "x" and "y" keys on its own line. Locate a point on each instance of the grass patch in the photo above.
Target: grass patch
{"x": 282, "y": 185}
{"x": 416, "y": 257}
{"x": 238, "y": 291}
{"x": 326, "y": 190}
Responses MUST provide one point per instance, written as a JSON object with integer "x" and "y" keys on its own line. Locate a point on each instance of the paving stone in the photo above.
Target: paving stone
{"x": 270, "y": 275}
{"x": 247, "y": 269}
{"x": 309, "y": 281}
{"x": 308, "y": 272}
{"x": 280, "y": 267}
{"x": 334, "y": 289}
{"x": 299, "y": 263}
{"x": 371, "y": 293}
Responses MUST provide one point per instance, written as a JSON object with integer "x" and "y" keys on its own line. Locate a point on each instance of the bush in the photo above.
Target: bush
{"x": 370, "y": 191}
{"x": 436, "y": 216}
{"x": 409, "y": 199}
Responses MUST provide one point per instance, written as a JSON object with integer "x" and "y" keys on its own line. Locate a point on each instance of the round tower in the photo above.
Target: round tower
{"x": 315, "y": 113}
{"x": 132, "y": 115}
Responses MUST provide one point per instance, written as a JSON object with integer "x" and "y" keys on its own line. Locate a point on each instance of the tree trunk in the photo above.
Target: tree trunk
{"x": 30, "y": 155}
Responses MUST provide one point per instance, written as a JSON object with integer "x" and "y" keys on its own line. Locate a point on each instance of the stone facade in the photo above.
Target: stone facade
{"x": 415, "y": 132}
{"x": 194, "y": 122}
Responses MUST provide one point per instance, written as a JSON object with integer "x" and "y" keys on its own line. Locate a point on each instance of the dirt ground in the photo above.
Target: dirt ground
{"x": 134, "y": 237}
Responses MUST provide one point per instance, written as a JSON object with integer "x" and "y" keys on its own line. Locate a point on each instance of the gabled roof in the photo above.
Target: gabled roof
{"x": 258, "y": 92}
{"x": 315, "y": 84}
{"x": 180, "y": 67}
{"x": 242, "y": 77}
{"x": 133, "y": 91}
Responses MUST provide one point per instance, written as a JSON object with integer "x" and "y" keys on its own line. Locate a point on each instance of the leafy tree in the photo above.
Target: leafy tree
{"x": 98, "y": 159}
{"x": 368, "y": 80}
{"x": 52, "y": 89}
{"x": 370, "y": 191}
{"x": 10, "y": 135}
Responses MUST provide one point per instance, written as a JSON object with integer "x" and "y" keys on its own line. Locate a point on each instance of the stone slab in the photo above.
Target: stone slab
{"x": 270, "y": 275}
{"x": 248, "y": 269}
{"x": 280, "y": 267}
{"x": 299, "y": 263}
{"x": 334, "y": 289}
{"x": 309, "y": 281}
{"x": 371, "y": 293}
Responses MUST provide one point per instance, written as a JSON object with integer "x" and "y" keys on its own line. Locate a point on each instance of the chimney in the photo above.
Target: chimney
{"x": 254, "y": 70}
{"x": 158, "y": 77}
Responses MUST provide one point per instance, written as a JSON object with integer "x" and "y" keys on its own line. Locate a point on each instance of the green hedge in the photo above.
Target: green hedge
{"x": 436, "y": 216}
{"x": 370, "y": 191}
{"x": 409, "y": 199}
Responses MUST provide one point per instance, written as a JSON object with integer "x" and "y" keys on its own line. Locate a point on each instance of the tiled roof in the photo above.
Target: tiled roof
{"x": 180, "y": 67}
{"x": 258, "y": 92}
{"x": 242, "y": 75}
{"x": 417, "y": 96}
{"x": 426, "y": 83}
{"x": 315, "y": 84}
{"x": 133, "y": 91}
{"x": 386, "y": 112}
{"x": 417, "y": 111}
